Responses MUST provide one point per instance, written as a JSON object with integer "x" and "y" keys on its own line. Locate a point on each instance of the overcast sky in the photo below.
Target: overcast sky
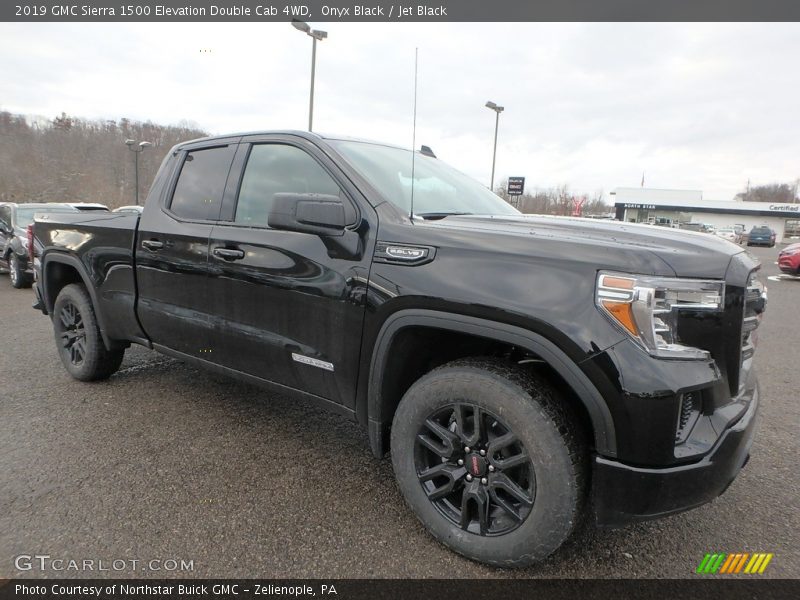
{"x": 697, "y": 106}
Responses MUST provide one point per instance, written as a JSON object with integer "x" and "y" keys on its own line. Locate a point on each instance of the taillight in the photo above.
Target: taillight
{"x": 30, "y": 244}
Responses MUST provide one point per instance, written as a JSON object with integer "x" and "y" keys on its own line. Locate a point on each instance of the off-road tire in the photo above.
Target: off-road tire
{"x": 78, "y": 339}
{"x": 532, "y": 410}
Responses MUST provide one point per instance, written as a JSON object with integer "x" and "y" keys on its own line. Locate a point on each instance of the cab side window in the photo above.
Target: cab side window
{"x": 5, "y": 217}
{"x": 201, "y": 183}
{"x": 273, "y": 169}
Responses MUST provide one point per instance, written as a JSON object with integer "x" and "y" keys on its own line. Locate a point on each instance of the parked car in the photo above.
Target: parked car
{"x": 88, "y": 206}
{"x": 129, "y": 209}
{"x": 741, "y": 231}
{"x": 761, "y": 236}
{"x": 14, "y": 221}
{"x": 728, "y": 233}
{"x": 522, "y": 369}
{"x": 789, "y": 259}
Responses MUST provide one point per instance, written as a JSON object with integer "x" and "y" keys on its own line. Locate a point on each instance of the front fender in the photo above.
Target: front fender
{"x": 599, "y": 413}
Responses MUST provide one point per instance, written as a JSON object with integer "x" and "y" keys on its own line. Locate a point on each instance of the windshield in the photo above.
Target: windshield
{"x": 438, "y": 188}
{"x": 25, "y": 215}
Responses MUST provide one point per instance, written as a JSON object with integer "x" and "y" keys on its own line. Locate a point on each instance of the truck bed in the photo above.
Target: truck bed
{"x": 100, "y": 246}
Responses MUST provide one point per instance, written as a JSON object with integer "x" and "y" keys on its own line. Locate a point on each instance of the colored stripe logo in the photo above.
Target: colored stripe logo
{"x": 741, "y": 562}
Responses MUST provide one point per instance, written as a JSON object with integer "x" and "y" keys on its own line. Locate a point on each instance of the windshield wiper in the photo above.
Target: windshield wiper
{"x": 433, "y": 216}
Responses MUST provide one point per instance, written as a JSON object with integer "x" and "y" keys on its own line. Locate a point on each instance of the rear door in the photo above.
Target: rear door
{"x": 287, "y": 306}
{"x": 172, "y": 250}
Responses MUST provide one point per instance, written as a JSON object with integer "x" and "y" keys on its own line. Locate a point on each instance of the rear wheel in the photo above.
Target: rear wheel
{"x": 19, "y": 279}
{"x": 78, "y": 337}
{"x": 490, "y": 461}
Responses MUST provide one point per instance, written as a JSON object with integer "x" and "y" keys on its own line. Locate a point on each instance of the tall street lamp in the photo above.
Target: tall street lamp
{"x": 136, "y": 148}
{"x": 497, "y": 110}
{"x": 315, "y": 35}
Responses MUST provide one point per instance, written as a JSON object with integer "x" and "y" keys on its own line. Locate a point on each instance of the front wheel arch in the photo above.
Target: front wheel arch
{"x": 379, "y": 412}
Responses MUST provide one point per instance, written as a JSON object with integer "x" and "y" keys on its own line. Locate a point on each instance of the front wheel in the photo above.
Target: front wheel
{"x": 78, "y": 337}
{"x": 490, "y": 461}
{"x": 19, "y": 279}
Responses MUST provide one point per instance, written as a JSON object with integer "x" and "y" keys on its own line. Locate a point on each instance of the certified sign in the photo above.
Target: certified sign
{"x": 516, "y": 186}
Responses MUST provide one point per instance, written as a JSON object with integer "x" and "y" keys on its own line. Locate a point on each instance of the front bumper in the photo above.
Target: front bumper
{"x": 623, "y": 493}
{"x": 789, "y": 265}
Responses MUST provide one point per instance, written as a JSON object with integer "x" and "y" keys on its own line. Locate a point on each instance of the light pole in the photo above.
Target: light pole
{"x": 497, "y": 110}
{"x": 136, "y": 148}
{"x": 315, "y": 35}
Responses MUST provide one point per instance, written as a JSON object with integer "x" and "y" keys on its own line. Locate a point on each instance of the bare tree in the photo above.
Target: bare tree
{"x": 67, "y": 159}
{"x": 778, "y": 193}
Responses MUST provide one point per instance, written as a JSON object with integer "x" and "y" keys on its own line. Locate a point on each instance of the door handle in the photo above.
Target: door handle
{"x": 152, "y": 244}
{"x": 228, "y": 253}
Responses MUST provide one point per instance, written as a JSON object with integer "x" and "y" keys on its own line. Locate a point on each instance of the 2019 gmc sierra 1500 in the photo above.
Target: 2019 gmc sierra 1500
{"x": 524, "y": 371}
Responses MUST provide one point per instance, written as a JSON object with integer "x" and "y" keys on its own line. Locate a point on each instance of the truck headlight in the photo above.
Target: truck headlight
{"x": 647, "y": 308}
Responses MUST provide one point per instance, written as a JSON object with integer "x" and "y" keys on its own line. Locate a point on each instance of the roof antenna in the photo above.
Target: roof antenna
{"x": 414, "y": 135}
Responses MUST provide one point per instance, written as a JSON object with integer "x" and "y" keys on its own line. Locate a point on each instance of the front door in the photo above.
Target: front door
{"x": 286, "y": 307}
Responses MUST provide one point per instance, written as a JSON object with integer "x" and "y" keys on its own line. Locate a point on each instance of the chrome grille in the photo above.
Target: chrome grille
{"x": 754, "y": 303}
{"x": 755, "y": 300}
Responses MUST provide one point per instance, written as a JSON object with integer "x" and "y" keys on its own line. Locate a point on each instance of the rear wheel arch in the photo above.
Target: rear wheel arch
{"x": 60, "y": 270}
{"x": 78, "y": 336}
{"x": 382, "y": 396}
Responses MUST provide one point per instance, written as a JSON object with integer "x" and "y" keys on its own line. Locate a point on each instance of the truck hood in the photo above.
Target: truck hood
{"x": 686, "y": 253}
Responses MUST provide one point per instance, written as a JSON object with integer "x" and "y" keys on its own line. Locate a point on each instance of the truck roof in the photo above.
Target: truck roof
{"x": 308, "y": 135}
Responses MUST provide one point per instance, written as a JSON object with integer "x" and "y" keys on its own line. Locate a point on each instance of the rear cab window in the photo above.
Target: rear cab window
{"x": 201, "y": 183}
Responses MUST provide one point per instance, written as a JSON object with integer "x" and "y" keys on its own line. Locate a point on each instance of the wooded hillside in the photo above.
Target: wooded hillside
{"x": 67, "y": 159}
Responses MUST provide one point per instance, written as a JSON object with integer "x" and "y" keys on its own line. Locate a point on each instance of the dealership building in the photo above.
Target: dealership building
{"x": 673, "y": 207}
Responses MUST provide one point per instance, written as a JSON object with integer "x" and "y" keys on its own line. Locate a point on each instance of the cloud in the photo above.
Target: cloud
{"x": 702, "y": 106}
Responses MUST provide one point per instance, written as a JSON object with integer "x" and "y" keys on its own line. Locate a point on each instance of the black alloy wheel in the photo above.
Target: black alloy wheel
{"x": 475, "y": 470}
{"x": 72, "y": 333}
{"x": 78, "y": 337}
{"x": 491, "y": 460}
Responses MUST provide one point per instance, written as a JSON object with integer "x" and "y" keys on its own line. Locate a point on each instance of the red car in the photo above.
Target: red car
{"x": 789, "y": 259}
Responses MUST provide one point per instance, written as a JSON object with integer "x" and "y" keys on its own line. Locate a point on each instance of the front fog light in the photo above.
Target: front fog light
{"x": 646, "y": 308}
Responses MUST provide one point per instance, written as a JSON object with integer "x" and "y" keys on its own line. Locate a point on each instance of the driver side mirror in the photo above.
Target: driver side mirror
{"x": 320, "y": 214}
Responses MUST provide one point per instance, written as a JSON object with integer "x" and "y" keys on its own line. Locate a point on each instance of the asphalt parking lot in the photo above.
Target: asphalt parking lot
{"x": 164, "y": 462}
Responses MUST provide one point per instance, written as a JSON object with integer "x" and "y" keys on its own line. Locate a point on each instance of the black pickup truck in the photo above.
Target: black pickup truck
{"x": 524, "y": 371}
